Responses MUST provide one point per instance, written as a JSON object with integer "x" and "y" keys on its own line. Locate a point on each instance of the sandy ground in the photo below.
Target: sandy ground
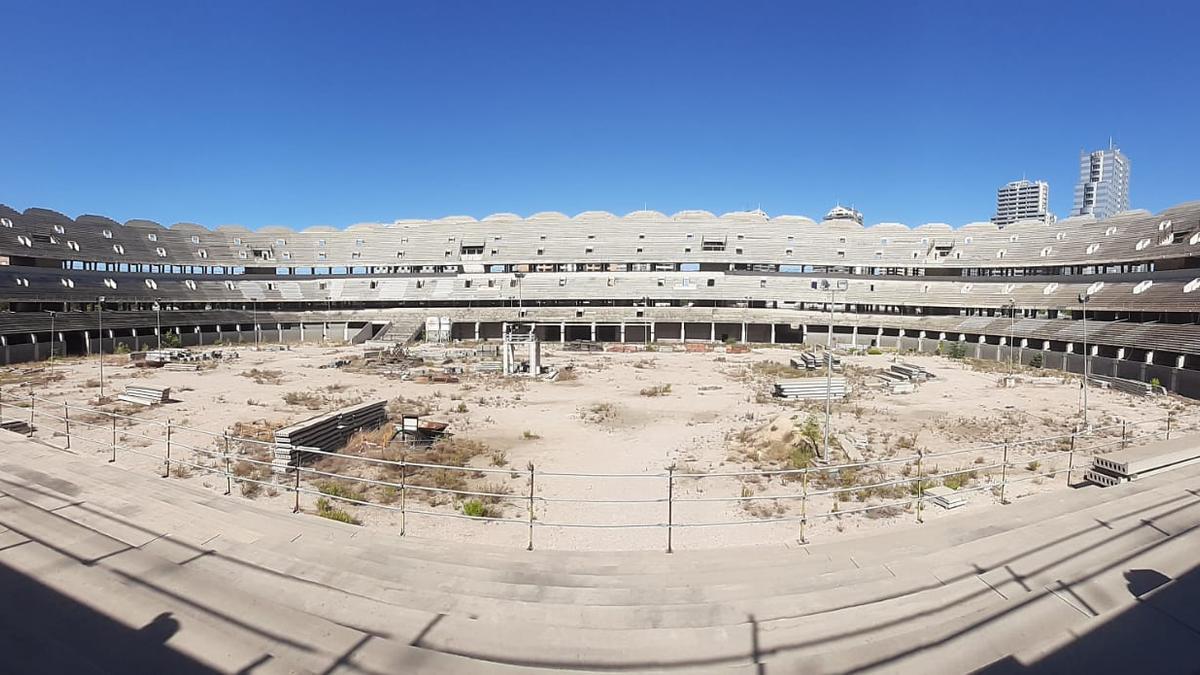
{"x": 716, "y": 417}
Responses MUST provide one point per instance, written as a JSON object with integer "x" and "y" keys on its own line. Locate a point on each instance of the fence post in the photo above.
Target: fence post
{"x": 1071, "y": 455}
{"x": 167, "y": 460}
{"x": 1123, "y": 441}
{"x": 114, "y": 438}
{"x": 803, "y": 504}
{"x": 530, "y": 547}
{"x": 296, "y": 490}
{"x": 32, "y": 402}
{"x": 1168, "y": 426}
{"x": 67, "y": 422}
{"x": 1004, "y": 475}
{"x": 228, "y": 473}
{"x": 670, "y": 505}
{"x": 403, "y": 495}
{"x": 920, "y": 485}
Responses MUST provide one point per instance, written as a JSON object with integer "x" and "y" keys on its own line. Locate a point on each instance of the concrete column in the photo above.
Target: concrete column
{"x": 772, "y": 333}
{"x": 652, "y": 336}
{"x": 593, "y": 331}
{"x": 301, "y": 333}
{"x": 1120, "y": 352}
{"x": 1150, "y": 357}
{"x": 562, "y": 332}
{"x": 477, "y": 331}
{"x": 744, "y": 334}
{"x": 1179, "y": 360}
{"x": 622, "y": 332}
{"x": 920, "y": 341}
{"x": 853, "y": 336}
{"x": 712, "y": 332}
{"x": 1070, "y": 347}
{"x": 682, "y": 331}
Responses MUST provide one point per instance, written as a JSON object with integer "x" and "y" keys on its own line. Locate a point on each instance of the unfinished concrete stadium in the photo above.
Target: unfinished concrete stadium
{"x": 640, "y": 443}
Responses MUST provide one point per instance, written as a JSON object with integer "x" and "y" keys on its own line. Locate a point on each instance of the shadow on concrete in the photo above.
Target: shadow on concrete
{"x": 1150, "y": 624}
{"x": 1160, "y": 634}
{"x": 45, "y": 631}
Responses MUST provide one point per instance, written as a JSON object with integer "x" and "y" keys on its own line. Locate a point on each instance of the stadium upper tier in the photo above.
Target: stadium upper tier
{"x": 1135, "y": 241}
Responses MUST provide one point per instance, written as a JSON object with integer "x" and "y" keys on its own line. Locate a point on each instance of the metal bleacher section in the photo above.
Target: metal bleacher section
{"x": 1140, "y": 271}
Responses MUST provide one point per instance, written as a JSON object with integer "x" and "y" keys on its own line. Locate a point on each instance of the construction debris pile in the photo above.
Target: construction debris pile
{"x": 902, "y": 378}
{"x": 179, "y": 359}
{"x": 325, "y": 433}
{"x": 145, "y": 394}
{"x": 813, "y": 361}
{"x": 811, "y": 388}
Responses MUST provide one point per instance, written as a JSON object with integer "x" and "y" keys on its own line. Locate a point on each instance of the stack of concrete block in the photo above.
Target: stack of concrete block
{"x": 325, "y": 433}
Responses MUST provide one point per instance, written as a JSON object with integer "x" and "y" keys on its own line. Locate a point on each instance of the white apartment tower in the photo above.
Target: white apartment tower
{"x": 1103, "y": 188}
{"x": 1023, "y": 200}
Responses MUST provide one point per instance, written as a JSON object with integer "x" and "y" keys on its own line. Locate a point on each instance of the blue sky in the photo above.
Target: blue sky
{"x": 300, "y": 113}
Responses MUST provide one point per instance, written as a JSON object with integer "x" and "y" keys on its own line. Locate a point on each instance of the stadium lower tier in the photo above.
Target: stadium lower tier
{"x": 1145, "y": 351}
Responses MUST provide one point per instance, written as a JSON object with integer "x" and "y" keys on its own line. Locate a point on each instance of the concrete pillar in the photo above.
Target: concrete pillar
{"x": 477, "y": 331}
{"x": 562, "y": 332}
{"x": 712, "y": 332}
{"x": 853, "y": 336}
{"x": 652, "y": 335}
{"x": 682, "y": 331}
{"x": 301, "y": 333}
{"x": 1150, "y": 357}
{"x": 1179, "y": 360}
{"x": 1120, "y": 352}
{"x": 920, "y": 341}
{"x": 1070, "y": 347}
{"x": 593, "y": 331}
{"x": 1045, "y": 345}
{"x": 622, "y": 332}
{"x": 772, "y": 333}
{"x": 744, "y": 335}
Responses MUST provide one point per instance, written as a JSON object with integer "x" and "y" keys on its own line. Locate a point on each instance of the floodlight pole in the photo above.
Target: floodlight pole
{"x": 520, "y": 276}
{"x": 832, "y": 287}
{"x": 1083, "y": 300}
{"x": 52, "y": 314}
{"x": 100, "y": 344}
{"x": 828, "y": 377}
{"x": 1012, "y": 319}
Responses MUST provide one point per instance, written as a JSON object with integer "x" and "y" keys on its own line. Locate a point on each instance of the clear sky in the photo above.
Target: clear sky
{"x": 302, "y": 112}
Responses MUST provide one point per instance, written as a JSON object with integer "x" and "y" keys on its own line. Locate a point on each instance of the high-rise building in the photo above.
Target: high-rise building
{"x": 1103, "y": 188}
{"x": 840, "y": 212}
{"x": 1023, "y": 200}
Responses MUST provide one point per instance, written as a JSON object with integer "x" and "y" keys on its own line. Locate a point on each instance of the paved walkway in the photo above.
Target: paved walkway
{"x": 104, "y": 569}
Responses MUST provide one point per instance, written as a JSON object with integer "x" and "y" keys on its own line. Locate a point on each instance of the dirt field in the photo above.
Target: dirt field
{"x": 631, "y": 414}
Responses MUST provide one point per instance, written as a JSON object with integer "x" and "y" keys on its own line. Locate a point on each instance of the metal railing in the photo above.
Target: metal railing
{"x": 225, "y": 455}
